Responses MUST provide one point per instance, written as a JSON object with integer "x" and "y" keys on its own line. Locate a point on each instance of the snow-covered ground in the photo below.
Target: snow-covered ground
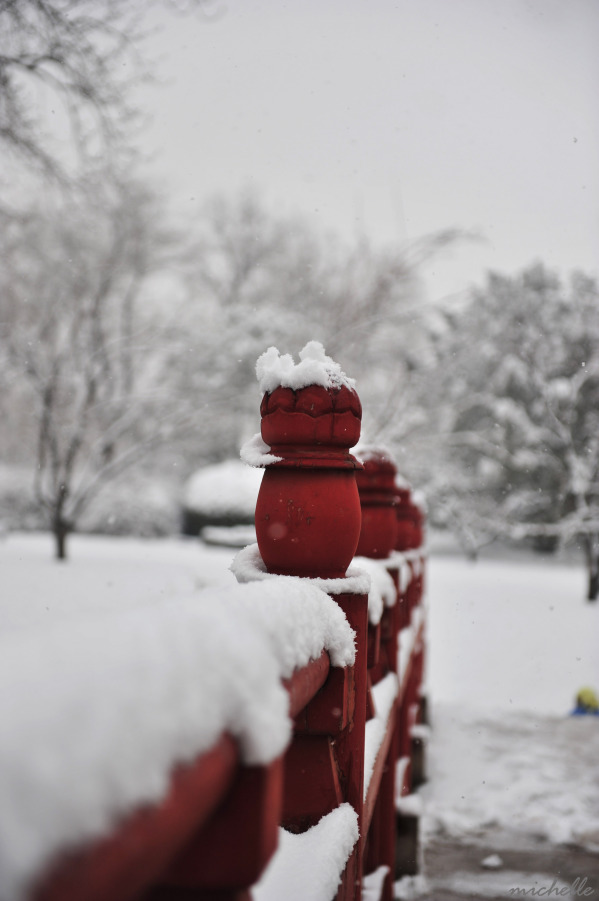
{"x": 103, "y": 573}
{"x": 511, "y": 642}
{"x": 511, "y": 635}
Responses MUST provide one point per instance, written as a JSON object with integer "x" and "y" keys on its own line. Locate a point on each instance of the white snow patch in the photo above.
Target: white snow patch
{"x": 406, "y": 641}
{"x": 410, "y": 887}
{"x": 274, "y": 370}
{"x": 384, "y": 694}
{"x": 382, "y": 587}
{"x": 530, "y": 776}
{"x": 372, "y": 884}
{"x": 510, "y": 635}
{"x": 409, "y": 563}
{"x": 419, "y": 500}
{"x": 373, "y": 452}
{"x": 228, "y": 488}
{"x": 421, "y": 731}
{"x": 408, "y": 805}
{"x": 301, "y": 621}
{"x": 318, "y": 608}
{"x": 102, "y": 574}
{"x": 492, "y": 862}
{"x": 310, "y": 865}
{"x": 228, "y": 536}
{"x": 400, "y": 774}
{"x": 248, "y": 566}
{"x": 405, "y": 575}
{"x": 255, "y": 452}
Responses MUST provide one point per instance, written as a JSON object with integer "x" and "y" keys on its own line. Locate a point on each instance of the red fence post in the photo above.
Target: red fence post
{"x": 376, "y": 485}
{"x": 411, "y": 753}
{"x": 217, "y": 829}
{"x": 308, "y": 520}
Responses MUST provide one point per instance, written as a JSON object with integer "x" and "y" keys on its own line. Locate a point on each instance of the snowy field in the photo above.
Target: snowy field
{"x": 511, "y": 635}
{"x": 511, "y": 642}
{"x": 103, "y": 573}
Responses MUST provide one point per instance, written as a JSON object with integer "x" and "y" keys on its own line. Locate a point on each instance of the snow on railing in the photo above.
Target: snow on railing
{"x": 248, "y": 742}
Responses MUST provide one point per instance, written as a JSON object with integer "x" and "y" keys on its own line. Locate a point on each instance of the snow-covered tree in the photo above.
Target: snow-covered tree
{"x": 519, "y": 408}
{"x": 257, "y": 279}
{"x": 82, "y": 359}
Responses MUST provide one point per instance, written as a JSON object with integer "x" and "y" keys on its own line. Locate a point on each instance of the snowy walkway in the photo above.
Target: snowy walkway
{"x": 455, "y": 872}
{"x": 511, "y": 775}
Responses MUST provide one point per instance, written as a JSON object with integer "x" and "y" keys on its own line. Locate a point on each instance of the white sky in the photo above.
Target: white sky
{"x": 392, "y": 118}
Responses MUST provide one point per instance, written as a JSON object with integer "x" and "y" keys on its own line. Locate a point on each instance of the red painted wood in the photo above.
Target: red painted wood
{"x": 379, "y": 528}
{"x": 391, "y": 625}
{"x": 174, "y": 893}
{"x": 376, "y": 486}
{"x": 389, "y": 628}
{"x": 381, "y": 834}
{"x": 121, "y": 865}
{"x": 380, "y": 765}
{"x": 411, "y": 590}
{"x": 308, "y": 521}
{"x": 311, "y": 416}
{"x": 388, "y": 624}
{"x": 404, "y": 610}
{"x": 349, "y": 745}
{"x": 331, "y": 709}
{"x": 312, "y": 786}
{"x": 370, "y": 708}
{"x": 410, "y": 522}
{"x": 232, "y": 850}
{"x": 308, "y": 510}
{"x": 374, "y": 644}
{"x": 306, "y": 682}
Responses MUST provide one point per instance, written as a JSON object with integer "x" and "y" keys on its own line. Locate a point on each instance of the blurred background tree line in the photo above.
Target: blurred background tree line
{"x": 129, "y": 334}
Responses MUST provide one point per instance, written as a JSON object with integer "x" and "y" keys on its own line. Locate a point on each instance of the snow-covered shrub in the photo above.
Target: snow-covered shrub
{"x": 138, "y": 504}
{"x": 221, "y": 495}
{"x": 18, "y": 510}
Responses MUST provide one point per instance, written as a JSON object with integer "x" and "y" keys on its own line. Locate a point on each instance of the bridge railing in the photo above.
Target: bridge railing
{"x": 218, "y": 823}
{"x": 309, "y": 811}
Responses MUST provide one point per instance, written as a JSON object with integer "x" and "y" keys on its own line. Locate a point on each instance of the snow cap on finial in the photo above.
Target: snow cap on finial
{"x": 275, "y": 370}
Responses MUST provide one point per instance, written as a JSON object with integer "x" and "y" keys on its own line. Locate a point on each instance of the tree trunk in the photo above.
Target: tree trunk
{"x": 60, "y": 530}
{"x": 592, "y": 554}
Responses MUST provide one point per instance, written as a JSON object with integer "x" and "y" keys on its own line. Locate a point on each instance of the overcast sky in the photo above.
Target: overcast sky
{"x": 393, "y": 119}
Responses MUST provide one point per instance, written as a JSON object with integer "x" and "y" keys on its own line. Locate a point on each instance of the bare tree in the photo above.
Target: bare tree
{"x": 75, "y": 59}
{"x": 93, "y": 363}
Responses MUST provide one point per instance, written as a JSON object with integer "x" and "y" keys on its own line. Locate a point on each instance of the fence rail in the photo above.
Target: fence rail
{"x": 218, "y": 826}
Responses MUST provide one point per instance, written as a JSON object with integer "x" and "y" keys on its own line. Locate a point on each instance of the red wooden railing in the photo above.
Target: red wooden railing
{"x": 217, "y": 827}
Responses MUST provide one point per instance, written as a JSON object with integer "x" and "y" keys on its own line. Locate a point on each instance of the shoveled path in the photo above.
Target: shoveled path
{"x": 540, "y": 778}
{"x": 454, "y": 871}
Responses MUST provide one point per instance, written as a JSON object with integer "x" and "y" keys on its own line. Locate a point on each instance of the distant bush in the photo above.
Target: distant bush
{"x": 140, "y": 505}
{"x": 221, "y": 495}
